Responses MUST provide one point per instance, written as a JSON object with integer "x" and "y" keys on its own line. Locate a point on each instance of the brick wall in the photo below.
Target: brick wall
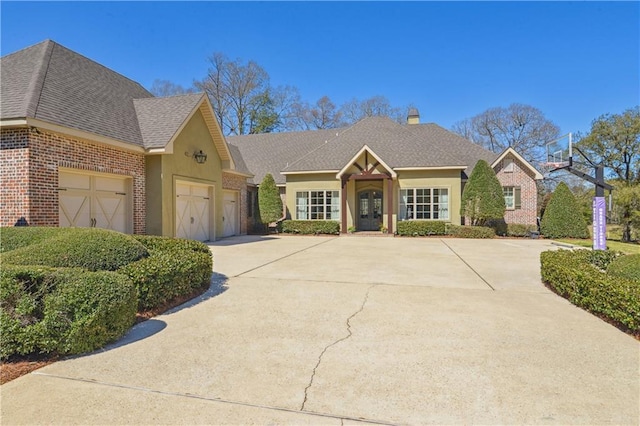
{"x": 29, "y": 174}
{"x": 238, "y": 183}
{"x": 522, "y": 177}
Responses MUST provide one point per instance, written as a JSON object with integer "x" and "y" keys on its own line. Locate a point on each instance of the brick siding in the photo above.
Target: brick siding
{"x": 29, "y": 174}
{"x": 521, "y": 177}
{"x": 234, "y": 182}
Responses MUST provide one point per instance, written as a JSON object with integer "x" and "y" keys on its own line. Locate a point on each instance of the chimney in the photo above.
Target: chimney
{"x": 413, "y": 117}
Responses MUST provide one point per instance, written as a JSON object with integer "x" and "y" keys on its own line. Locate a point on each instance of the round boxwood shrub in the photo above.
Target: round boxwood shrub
{"x": 562, "y": 216}
{"x": 175, "y": 268}
{"x": 64, "y": 311}
{"x": 90, "y": 248}
{"x": 12, "y": 238}
{"x": 626, "y": 267}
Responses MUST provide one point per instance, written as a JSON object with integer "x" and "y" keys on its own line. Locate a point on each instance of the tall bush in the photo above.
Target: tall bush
{"x": 269, "y": 201}
{"x": 482, "y": 198}
{"x": 562, "y": 216}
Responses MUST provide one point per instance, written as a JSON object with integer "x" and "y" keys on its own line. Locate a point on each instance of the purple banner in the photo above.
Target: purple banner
{"x": 599, "y": 223}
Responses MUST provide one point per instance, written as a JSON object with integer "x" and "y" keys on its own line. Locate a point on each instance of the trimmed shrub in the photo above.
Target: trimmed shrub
{"x": 421, "y": 227}
{"x": 175, "y": 268}
{"x": 625, "y": 267}
{"x": 499, "y": 226}
{"x": 153, "y": 243}
{"x": 12, "y": 238}
{"x": 470, "y": 231}
{"x": 63, "y": 311}
{"x": 482, "y": 197}
{"x": 90, "y": 248}
{"x": 574, "y": 276}
{"x": 562, "y": 216}
{"x": 520, "y": 230}
{"x": 308, "y": 227}
{"x": 269, "y": 201}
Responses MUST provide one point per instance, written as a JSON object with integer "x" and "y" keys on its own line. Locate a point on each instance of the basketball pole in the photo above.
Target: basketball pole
{"x": 599, "y": 203}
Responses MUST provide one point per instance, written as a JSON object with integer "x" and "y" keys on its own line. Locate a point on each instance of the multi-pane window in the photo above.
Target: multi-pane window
{"x": 424, "y": 203}
{"x": 511, "y": 197}
{"x": 318, "y": 205}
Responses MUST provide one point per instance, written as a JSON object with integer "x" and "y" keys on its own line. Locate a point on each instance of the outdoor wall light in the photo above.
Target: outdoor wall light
{"x": 200, "y": 157}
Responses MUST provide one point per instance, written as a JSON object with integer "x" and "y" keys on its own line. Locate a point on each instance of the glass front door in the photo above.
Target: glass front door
{"x": 370, "y": 210}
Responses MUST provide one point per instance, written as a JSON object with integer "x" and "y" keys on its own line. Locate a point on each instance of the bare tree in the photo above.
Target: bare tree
{"x": 237, "y": 91}
{"x": 521, "y": 127}
{"x": 377, "y": 106}
{"x": 163, "y": 88}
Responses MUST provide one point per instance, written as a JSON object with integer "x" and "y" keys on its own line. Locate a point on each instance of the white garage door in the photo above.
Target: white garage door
{"x": 230, "y": 218}
{"x": 91, "y": 200}
{"x": 192, "y": 211}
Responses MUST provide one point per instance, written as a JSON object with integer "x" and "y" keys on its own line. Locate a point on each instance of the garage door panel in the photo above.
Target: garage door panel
{"x": 74, "y": 210}
{"x": 110, "y": 212}
{"x": 93, "y": 200}
{"x": 230, "y": 218}
{"x": 192, "y": 211}
{"x": 74, "y": 181}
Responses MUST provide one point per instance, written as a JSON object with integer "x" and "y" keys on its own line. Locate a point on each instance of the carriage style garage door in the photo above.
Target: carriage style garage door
{"x": 230, "y": 218}
{"x": 95, "y": 201}
{"x": 193, "y": 207}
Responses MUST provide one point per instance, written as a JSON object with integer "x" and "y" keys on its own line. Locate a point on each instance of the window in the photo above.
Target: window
{"x": 424, "y": 203}
{"x": 318, "y": 205}
{"x": 512, "y": 197}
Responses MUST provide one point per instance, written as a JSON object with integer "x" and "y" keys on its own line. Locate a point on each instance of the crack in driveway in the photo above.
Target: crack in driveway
{"x": 313, "y": 374}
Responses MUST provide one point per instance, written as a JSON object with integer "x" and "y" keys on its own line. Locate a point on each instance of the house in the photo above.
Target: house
{"x": 377, "y": 172}
{"x": 82, "y": 145}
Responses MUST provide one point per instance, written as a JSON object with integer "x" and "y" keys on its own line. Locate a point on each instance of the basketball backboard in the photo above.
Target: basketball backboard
{"x": 560, "y": 152}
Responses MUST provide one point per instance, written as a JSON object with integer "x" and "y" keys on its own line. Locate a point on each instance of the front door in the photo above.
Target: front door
{"x": 369, "y": 210}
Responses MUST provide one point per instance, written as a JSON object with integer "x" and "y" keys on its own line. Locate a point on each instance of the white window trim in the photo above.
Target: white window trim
{"x": 431, "y": 188}
{"x": 326, "y": 207}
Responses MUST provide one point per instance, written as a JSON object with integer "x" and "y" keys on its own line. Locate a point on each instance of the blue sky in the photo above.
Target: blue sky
{"x": 452, "y": 60}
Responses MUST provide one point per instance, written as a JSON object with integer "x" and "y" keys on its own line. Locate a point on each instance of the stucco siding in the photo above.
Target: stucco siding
{"x": 449, "y": 179}
{"x": 181, "y": 166}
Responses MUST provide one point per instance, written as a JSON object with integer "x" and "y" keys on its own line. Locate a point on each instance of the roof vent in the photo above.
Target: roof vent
{"x": 413, "y": 117}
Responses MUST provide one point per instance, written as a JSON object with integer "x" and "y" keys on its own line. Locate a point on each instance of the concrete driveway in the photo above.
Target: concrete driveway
{"x": 353, "y": 330}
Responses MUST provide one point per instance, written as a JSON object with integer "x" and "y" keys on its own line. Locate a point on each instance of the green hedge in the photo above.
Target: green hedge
{"x": 12, "y": 238}
{"x": 578, "y": 276}
{"x": 421, "y": 227}
{"x": 311, "y": 227}
{"x": 520, "y": 230}
{"x": 90, "y": 248}
{"x": 153, "y": 242}
{"x": 626, "y": 267}
{"x": 175, "y": 268}
{"x": 470, "y": 231}
{"x": 63, "y": 311}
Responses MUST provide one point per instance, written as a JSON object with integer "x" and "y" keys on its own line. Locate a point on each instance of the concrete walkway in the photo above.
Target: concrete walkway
{"x": 349, "y": 330}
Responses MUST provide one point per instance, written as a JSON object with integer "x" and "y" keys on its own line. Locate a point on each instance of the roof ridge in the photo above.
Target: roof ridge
{"x": 110, "y": 70}
{"x": 325, "y": 143}
{"x": 38, "y": 78}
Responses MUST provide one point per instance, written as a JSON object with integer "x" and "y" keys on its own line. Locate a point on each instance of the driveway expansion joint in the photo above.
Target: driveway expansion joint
{"x": 348, "y": 323}
{"x": 469, "y": 266}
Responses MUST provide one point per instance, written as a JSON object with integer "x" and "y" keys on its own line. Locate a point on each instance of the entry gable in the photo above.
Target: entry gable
{"x": 161, "y": 120}
{"x": 366, "y": 163}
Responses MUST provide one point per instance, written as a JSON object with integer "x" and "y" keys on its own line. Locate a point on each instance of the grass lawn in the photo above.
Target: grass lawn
{"x": 628, "y": 248}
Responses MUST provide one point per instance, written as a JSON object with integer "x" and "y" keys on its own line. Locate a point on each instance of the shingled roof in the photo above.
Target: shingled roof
{"x": 51, "y": 83}
{"x": 398, "y": 145}
{"x": 54, "y": 84}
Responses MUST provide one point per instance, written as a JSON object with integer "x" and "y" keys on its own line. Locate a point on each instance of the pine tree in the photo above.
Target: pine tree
{"x": 482, "y": 198}
{"x": 563, "y": 217}
{"x": 269, "y": 201}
